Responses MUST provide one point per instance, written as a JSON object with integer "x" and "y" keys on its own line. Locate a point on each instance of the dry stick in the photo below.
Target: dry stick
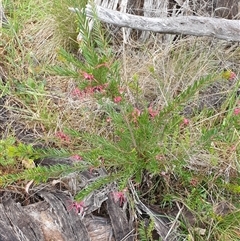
{"x": 3, "y": 19}
{"x": 175, "y": 221}
{"x": 1, "y": 15}
{"x": 160, "y": 225}
{"x": 127, "y": 235}
{"x": 189, "y": 25}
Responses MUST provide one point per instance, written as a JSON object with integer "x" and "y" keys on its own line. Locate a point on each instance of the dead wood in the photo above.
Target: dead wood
{"x": 187, "y": 25}
{"x": 49, "y": 216}
{"x": 50, "y": 219}
{"x": 99, "y": 228}
{"x": 165, "y": 232}
{"x": 16, "y": 224}
{"x": 121, "y": 226}
{"x": 70, "y": 224}
{"x": 3, "y": 19}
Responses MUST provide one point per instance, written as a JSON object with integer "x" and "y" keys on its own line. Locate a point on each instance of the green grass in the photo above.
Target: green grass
{"x": 71, "y": 102}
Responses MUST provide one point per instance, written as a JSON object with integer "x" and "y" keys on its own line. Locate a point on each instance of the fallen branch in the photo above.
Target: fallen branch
{"x": 188, "y": 25}
{"x": 3, "y": 19}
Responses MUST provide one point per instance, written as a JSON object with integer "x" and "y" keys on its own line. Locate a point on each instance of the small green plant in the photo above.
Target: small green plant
{"x": 145, "y": 229}
{"x": 6, "y": 156}
{"x": 15, "y": 153}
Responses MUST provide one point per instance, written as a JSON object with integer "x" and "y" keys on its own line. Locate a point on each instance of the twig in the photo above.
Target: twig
{"x": 175, "y": 221}
{"x": 189, "y": 25}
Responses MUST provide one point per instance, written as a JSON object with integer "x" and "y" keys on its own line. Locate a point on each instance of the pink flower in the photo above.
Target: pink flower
{"x": 236, "y": 111}
{"x": 233, "y": 148}
{"x": 95, "y": 89}
{"x": 186, "y": 121}
{"x": 89, "y": 90}
{"x": 160, "y": 157}
{"x": 117, "y": 99}
{"x": 77, "y": 92}
{"x": 76, "y": 157}
{"x": 62, "y": 136}
{"x": 88, "y": 76}
{"x": 77, "y": 206}
{"x": 135, "y": 114}
{"x": 109, "y": 119}
{"x": 98, "y": 88}
{"x": 91, "y": 169}
{"x": 163, "y": 173}
{"x": 152, "y": 112}
{"x": 232, "y": 76}
{"x": 229, "y": 75}
{"x": 194, "y": 182}
{"x": 120, "y": 197}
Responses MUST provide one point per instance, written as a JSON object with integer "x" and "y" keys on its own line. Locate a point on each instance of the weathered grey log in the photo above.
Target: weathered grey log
{"x": 165, "y": 232}
{"x": 70, "y": 224}
{"x": 49, "y": 219}
{"x": 41, "y": 221}
{"x": 121, "y": 226}
{"x": 3, "y": 76}
{"x": 188, "y": 25}
{"x": 99, "y": 228}
{"x": 3, "y": 19}
{"x": 16, "y": 224}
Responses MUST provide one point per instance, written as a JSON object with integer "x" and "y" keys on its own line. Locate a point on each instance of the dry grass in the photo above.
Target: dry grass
{"x": 175, "y": 66}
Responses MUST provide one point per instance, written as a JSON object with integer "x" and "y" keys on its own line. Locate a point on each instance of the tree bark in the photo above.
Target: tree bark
{"x": 3, "y": 19}
{"x": 187, "y": 25}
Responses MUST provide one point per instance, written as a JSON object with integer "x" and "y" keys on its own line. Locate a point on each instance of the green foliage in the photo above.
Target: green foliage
{"x": 145, "y": 140}
{"x": 5, "y": 150}
{"x": 145, "y": 229}
{"x": 98, "y": 59}
{"x": 188, "y": 93}
{"x": 96, "y": 185}
{"x": 13, "y": 153}
{"x": 133, "y": 147}
{"x": 227, "y": 227}
{"x": 66, "y": 24}
{"x": 40, "y": 174}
